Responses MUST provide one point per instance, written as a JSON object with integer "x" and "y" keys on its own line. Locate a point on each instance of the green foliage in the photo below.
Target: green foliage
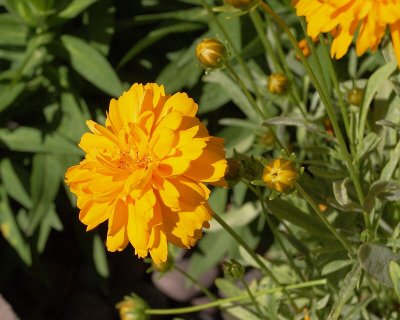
{"x": 62, "y": 61}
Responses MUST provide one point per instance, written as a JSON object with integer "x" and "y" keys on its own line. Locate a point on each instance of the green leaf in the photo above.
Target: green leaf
{"x": 334, "y": 266}
{"x": 284, "y": 210}
{"x": 180, "y": 72}
{"x": 297, "y": 122}
{"x": 237, "y": 217}
{"x": 45, "y": 181}
{"x": 346, "y": 291}
{"x": 391, "y": 165}
{"x": 12, "y": 31}
{"x": 99, "y": 257}
{"x": 101, "y": 25}
{"x": 75, "y": 8}
{"x": 385, "y": 190}
{"x": 92, "y": 65}
{"x": 368, "y": 144}
{"x": 329, "y": 173}
{"x": 27, "y": 139}
{"x": 10, "y": 230}
{"x": 50, "y": 222}
{"x": 156, "y": 35}
{"x": 375, "y": 259}
{"x": 9, "y": 93}
{"x": 374, "y": 82}
{"x": 212, "y": 98}
{"x": 230, "y": 290}
{"x": 233, "y": 91}
{"x": 394, "y": 270}
{"x": 12, "y": 183}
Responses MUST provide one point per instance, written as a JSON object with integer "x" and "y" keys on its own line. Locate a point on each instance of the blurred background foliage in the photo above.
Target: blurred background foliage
{"x": 61, "y": 62}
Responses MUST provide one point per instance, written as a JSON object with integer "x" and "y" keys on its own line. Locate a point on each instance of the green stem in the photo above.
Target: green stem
{"x": 313, "y": 205}
{"x": 252, "y": 298}
{"x": 207, "y": 292}
{"x": 326, "y": 101}
{"x": 247, "y": 93}
{"x": 274, "y": 230}
{"x": 258, "y": 24}
{"x": 245, "y": 246}
{"x": 279, "y": 64}
{"x": 220, "y": 302}
{"x": 235, "y": 51}
{"x": 343, "y": 107}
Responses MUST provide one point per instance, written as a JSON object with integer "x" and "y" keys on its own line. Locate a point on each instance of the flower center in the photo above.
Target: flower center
{"x": 131, "y": 160}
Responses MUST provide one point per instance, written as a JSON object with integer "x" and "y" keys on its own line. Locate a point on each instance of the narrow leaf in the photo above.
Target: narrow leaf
{"x": 12, "y": 183}
{"x": 346, "y": 291}
{"x": 375, "y": 259}
{"x": 92, "y": 65}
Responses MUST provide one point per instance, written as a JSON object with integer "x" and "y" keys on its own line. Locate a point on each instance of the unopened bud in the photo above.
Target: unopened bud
{"x": 132, "y": 308}
{"x": 277, "y": 83}
{"x": 244, "y": 5}
{"x": 280, "y": 175}
{"x": 233, "y": 270}
{"x": 211, "y": 53}
{"x": 355, "y": 96}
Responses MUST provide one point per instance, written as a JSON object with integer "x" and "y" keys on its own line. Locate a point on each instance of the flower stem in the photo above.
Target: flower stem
{"x": 235, "y": 51}
{"x": 252, "y": 298}
{"x": 325, "y": 99}
{"x": 274, "y": 230}
{"x": 319, "y": 282}
{"x": 247, "y": 248}
{"x": 342, "y": 105}
{"x": 280, "y": 64}
{"x": 207, "y": 292}
{"x": 247, "y": 93}
{"x": 313, "y": 205}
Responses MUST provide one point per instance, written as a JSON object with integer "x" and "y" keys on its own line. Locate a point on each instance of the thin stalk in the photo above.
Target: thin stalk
{"x": 245, "y": 246}
{"x": 342, "y": 105}
{"x": 279, "y": 64}
{"x": 258, "y": 25}
{"x": 220, "y": 302}
{"x": 274, "y": 230}
{"x": 252, "y": 298}
{"x": 207, "y": 292}
{"x": 235, "y": 51}
{"x": 247, "y": 93}
{"x": 314, "y": 206}
{"x": 325, "y": 99}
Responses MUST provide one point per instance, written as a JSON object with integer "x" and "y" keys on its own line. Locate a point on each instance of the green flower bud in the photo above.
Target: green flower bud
{"x": 233, "y": 270}
{"x": 355, "y": 96}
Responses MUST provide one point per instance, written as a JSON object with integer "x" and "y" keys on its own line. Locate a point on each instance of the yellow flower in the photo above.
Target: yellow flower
{"x": 345, "y": 18}
{"x": 145, "y": 172}
{"x": 280, "y": 175}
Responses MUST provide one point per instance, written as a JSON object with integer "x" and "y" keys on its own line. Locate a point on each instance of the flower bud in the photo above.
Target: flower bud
{"x": 250, "y": 168}
{"x": 267, "y": 138}
{"x": 233, "y": 175}
{"x": 132, "y": 308}
{"x": 355, "y": 96}
{"x": 303, "y": 45}
{"x": 277, "y": 83}
{"x": 280, "y": 175}
{"x": 211, "y": 53}
{"x": 244, "y": 5}
{"x": 233, "y": 270}
{"x": 329, "y": 127}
